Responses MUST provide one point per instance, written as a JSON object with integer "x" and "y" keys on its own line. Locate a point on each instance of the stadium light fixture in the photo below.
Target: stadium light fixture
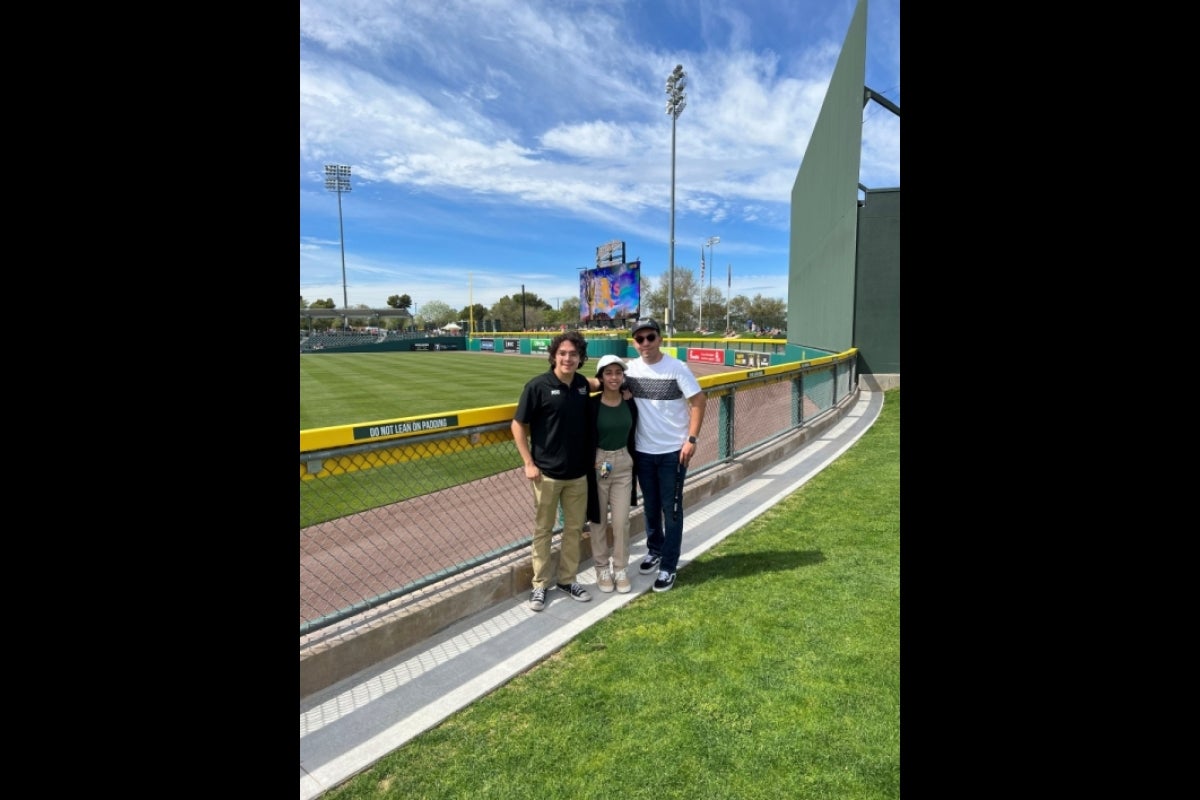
{"x": 337, "y": 179}
{"x": 676, "y": 102}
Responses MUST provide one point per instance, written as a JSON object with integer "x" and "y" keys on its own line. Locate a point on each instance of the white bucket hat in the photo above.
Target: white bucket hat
{"x": 609, "y": 359}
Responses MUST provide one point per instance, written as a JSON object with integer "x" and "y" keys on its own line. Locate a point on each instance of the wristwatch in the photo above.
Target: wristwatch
{"x": 692, "y": 439}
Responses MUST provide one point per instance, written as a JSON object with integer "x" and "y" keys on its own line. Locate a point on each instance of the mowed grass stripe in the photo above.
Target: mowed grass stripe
{"x": 350, "y": 388}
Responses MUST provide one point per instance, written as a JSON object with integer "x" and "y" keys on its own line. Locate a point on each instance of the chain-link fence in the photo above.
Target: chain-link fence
{"x": 381, "y": 523}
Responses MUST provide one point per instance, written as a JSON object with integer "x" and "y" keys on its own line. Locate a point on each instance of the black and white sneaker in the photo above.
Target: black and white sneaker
{"x": 650, "y": 564}
{"x": 575, "y": 591}
{"x": 665, "y": 581}
{"x": 537, "y": 600}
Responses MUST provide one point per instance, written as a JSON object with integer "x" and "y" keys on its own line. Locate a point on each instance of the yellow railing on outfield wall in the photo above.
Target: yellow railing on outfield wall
{"x": 315, "y": 439}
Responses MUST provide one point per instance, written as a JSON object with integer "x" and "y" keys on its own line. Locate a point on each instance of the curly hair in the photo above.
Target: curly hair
{"x": 575, "y": 338}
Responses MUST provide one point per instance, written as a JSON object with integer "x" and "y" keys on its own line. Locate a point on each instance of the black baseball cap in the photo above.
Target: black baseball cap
{"x": 652, "y": 324}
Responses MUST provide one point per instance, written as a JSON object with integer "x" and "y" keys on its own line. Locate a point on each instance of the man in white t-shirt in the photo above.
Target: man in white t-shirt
{"x": 670, "y": 413}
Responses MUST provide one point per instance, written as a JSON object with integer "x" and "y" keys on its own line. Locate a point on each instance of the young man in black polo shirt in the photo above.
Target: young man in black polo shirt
{"x": 551, "y": 432}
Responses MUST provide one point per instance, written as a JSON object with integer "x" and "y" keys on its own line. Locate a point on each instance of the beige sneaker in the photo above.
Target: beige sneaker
{"x": 604, "y": 579}
{"x": 623, "y": 585}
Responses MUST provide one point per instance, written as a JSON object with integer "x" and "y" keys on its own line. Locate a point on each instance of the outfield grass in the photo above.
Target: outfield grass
{"x": 771, "y": 670}
{"x": 351, "y": 388}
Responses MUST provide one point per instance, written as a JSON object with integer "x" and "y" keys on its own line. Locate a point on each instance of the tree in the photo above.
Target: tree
{"x": 512, "y": 315}
{"x": 320, "y": 323}
{"x": 769, "y": 312}
{"x": 739, "y": 312}
{"x": 507, "y": 313}
{"x": 404, "y": 303}
{"x": 364, "y": 319}
{"x": 305, "y": 320}
{"x": 569, "y": 313}
{"x": 325, "y": 323}
{"x": 766, "y": 312}
{"x": 435, "y": 314}
{"x": 655, "y": 303}
{"x": 714, "y": 309}
{"x": 473, "y": 314}
{"x": 532, "y": 301}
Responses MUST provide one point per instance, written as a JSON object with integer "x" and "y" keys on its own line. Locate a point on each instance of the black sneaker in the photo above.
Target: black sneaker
{"x": 575, "y": 591}
{"x": 537, "y": 600}
{"x": 665, "y": 581}
{"x": 650, "y": 564}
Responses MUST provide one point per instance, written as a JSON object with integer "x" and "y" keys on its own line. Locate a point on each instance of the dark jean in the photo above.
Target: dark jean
{"x": 658, "y": 474}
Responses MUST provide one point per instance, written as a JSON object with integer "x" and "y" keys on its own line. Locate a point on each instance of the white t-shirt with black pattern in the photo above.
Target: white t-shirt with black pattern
{"x": 661, "y": 392}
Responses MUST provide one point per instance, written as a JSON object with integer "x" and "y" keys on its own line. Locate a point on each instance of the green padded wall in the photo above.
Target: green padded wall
{"x": 824, "y": 214}
{"x": 825, "y": 208}
{"x": 877, "y": 284}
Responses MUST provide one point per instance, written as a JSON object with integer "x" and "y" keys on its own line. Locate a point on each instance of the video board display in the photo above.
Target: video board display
{"x": 611, "y": 293}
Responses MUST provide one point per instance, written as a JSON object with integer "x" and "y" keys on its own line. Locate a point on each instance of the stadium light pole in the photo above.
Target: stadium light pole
{"x": 337, "y": 179}
{"x": 676, "y": 102}
{"x": 712, "y": 265}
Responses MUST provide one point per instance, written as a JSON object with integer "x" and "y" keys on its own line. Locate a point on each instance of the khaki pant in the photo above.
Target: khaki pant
{"x": 614, "y": 493}
{"x": 547, "y": 493}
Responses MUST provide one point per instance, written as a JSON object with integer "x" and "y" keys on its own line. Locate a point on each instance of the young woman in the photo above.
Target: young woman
{"x": 611, "y": 485}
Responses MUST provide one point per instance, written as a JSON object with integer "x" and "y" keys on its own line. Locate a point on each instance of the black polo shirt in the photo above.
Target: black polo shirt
{"x": 556, "y": 414}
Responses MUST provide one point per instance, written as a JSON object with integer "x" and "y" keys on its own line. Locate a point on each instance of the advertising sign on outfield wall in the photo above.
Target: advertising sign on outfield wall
{"x": 742, "y": 359}
{"x": 706, "y": 356}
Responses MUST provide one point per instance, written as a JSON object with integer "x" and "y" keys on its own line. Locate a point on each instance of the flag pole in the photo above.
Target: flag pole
{"x": 728, "y": 289}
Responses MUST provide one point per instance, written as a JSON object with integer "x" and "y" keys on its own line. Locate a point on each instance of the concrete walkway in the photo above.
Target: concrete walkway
{"x": 349, "y": 726}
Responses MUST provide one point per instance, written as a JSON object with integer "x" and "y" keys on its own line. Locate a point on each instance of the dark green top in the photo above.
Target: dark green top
{"x": 612, "y": 426}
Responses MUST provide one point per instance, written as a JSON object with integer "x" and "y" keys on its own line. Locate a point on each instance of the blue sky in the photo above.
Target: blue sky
{"x": 498, "y": 143}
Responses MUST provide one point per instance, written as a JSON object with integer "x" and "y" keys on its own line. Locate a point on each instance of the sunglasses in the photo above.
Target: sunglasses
{"x": 649, "y": 337}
